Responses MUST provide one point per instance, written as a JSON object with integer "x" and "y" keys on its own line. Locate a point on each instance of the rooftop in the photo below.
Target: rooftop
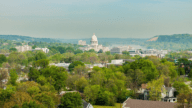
{"x": 133, "y": 103}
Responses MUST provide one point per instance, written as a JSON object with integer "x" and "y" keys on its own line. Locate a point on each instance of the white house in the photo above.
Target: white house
{"x": 45, "y": 50}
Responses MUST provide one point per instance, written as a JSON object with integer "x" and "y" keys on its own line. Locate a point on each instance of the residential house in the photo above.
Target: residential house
{"x": 45, "y": 50}
{"x": 134, "y": 103}
{"x": 86, "y": 104}
{"x": 168, "y": 96}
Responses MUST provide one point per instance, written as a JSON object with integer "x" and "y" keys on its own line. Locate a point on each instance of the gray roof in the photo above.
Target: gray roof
{"x": 85, "y": 104}
{"x": 133, "y": 103}
{"x": 168, "y": 89}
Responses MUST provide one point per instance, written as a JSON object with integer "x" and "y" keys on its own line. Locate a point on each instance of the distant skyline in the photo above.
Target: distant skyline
{"x": 72, "y": 19}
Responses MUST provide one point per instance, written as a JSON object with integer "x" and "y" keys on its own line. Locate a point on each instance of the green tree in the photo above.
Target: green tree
{"x": 81, "y": 70}
{"x": 17, "y": 98}
{"x": 108, "y": 52}
{"x": 190, "y": 74}
{"x": 125, "y": 52}
{"x": 91, "y": 93}
{"x": 6, "y": 94}
{"x": 48, "y": 99}
{"x": 43, "y": 63}
{"x": 181, "y": 71}
{"x": 33, "y": 74}
{"x": 105, "y": 98}
{"x": 136, "y": 77}
{"x": 34, "y": 46}
{"x": 70, "y": 49}
{"x": 3, "y": 75}
{"x": 75, "y": 63}
{"x": 117, "y": 56}
{"x": 100, "y": 51}
{"x": 71, "y": 100}
{"x": 31, "y": 104}
{"x": 2, "y": 59}
{"x": 12, "y": 49}
{"x": 147, "y": 67}
{"x": 40, "y": 55}
{"x": 58, "y": 76}
{"x": 81, "y": 84}
{"x": 92, "y": 50}
{"x": 181, "y": 87}
{"x": 17, "y": 58}
{"x": 13, "y": 77}
{"x": 61, "y": 49}
{"x": 155, "y": 88}
{"x": 78, "y": 51}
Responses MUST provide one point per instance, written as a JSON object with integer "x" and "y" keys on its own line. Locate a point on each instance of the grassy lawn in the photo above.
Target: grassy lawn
{"x": 117, "y": 105}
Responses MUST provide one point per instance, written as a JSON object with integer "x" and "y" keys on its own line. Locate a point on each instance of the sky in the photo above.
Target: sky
{"x": 71, "y": 19}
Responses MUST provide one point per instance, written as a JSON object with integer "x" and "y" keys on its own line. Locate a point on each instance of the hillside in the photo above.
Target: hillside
{"x": 172, "y": 38}
{"x": 27, "y": 38}
{"x": 153, "y": 39}
{"x": 171, "y": 42}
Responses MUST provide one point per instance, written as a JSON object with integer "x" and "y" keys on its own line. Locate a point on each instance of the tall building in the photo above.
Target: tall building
{"x": 94, "y": 45}
{"x": 23, "y": 48}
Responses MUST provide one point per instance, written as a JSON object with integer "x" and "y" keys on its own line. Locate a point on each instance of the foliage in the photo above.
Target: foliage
{"x": 81, "y": 84}
{"x": 155, "y": 87}
{"x": 53, "y": 75}
{"x": 181, "y": 87}
{"x": 181, "y": 71}
{"x": 75, "y": 63}
{"x": 17, "y": 58}
{"x": 2, "y": 59}
{"x": 6, "y": 94}
{"x": 43, "y": 63}
{"x": 125, "y": 52}
{"x": 31, "y": 104}
{"x": 105, "y": 98}
{"x": 49, "y": 100}
{"x": 71, "y": 100}
{"x": 12, "y": 49}
{"x": 91, "y": 93}
{"x": 190, "y": 74}
{"x": 18, "y": 99}
{"x": 40, "y": 55}
{"x": 3, "y": 75}
{"x": 13, "y": 77}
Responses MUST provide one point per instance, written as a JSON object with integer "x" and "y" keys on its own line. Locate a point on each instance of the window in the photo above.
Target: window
{"x": 173, "y": 99}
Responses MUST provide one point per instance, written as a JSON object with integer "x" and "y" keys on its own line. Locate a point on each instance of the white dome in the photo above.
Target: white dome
{"x": 94, "y": 38}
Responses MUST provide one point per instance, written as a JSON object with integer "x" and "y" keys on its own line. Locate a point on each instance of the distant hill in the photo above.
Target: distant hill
{"x": 27, "y": 38}
{"x": 109, "y": 41}
{"x": 177, "y": 38}
{"x": 171, "y": 42}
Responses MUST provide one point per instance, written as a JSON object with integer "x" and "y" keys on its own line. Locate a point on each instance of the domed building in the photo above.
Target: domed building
{"x": 94, "y": 40}
{"x": 94, "y": 45}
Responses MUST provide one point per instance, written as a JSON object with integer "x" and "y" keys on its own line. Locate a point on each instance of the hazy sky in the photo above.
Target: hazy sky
{"x": 105, "y": 18}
